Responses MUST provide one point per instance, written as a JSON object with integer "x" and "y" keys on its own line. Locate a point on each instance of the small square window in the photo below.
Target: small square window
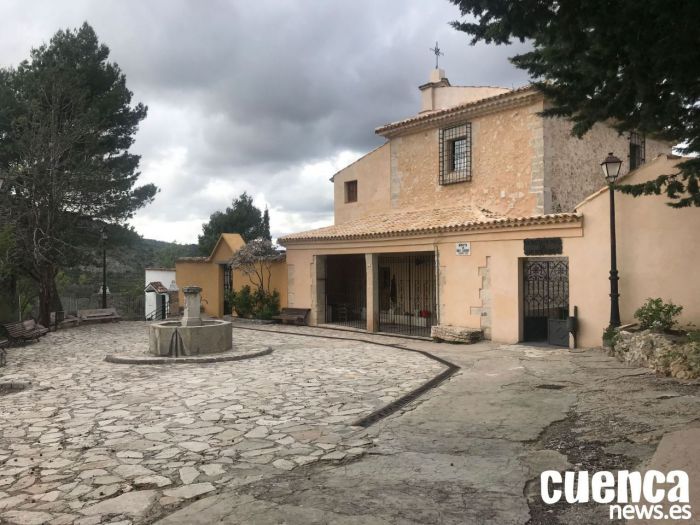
{"x": 456, "y": 154}
{"x": 351, "y": 191}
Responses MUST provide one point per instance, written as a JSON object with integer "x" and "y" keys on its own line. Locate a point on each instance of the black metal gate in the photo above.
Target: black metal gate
{"x": 407, "y": 293}
{"x": 228, "y": 286}
{"x": 546, "y": 300}
{"x": 346, "y": 290}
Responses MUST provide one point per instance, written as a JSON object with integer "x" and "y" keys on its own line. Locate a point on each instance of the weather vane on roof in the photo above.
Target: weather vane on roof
{"x": 438, "y": 53}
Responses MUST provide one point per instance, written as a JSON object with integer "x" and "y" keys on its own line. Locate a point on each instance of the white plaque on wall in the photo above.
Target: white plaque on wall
{"x": 463, "y": 248}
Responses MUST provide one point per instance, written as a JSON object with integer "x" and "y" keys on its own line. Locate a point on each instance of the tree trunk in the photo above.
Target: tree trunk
{"x": 46, "y": 287}
{"x": 56, "y": 305}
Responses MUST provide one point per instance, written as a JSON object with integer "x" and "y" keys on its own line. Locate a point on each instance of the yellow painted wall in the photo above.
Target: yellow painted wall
{"x": 228, "y": 244}
{"x": 658, "y": 253}
{"x": 278, "y": 281}
{"x": 209, "y": 277}
{"x": 208, "y": 274}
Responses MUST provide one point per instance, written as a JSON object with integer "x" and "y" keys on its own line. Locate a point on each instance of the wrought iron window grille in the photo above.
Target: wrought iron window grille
{"x": 637, "y": 150}
{"x": 456, "y": 154}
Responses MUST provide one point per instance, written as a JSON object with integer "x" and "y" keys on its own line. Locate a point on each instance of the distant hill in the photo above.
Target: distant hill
{"x": 128, "y": 255}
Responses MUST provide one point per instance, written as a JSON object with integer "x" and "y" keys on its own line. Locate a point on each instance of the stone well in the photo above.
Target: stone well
{"x": 191, "y": 336}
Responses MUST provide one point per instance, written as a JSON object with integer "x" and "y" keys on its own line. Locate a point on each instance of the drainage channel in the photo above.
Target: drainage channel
{"x": 401, "y": 402}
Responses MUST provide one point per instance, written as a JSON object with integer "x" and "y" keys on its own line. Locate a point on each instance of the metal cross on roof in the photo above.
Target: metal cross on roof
{"x": 438, "y": 53}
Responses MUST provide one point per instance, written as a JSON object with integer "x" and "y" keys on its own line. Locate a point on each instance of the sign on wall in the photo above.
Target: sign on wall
{"x": 545, "y": 246}
{"x": 463, "y": 248}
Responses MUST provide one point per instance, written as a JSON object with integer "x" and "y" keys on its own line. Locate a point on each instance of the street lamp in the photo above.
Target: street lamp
{"x": 611, "y": 171}
{"x": 103, "y": 235}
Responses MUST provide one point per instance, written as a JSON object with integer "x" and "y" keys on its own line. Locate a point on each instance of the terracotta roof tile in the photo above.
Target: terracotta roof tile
{"x": 158, "y": 287}
{"x": 416, "y": 222}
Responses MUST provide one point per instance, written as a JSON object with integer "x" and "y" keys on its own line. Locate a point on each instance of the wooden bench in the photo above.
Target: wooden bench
{"x": 23, "y": 331}
{"x": 98, "y": 315}
{"x": 295, "y": 315}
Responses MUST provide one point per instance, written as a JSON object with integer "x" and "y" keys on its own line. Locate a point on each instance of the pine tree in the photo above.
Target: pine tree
{"x": 633, "y": 64}
{"x": 241, "y": 217}
{"x": 266, "y": 225}
{"x": 66, "y": 126}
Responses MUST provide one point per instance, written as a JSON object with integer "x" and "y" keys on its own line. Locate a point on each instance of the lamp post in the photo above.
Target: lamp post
{"x": 611, "y": 171}
{"x": 103, "y": 235}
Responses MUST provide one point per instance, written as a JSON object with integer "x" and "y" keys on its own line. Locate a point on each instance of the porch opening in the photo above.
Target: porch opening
{"x": 346, "y": 290}
{"x": 407, "y": 293}
{"x": 546, "y": 300}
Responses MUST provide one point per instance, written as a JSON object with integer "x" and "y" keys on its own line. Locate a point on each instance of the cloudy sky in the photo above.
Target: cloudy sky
{"x": 268, "y": 97}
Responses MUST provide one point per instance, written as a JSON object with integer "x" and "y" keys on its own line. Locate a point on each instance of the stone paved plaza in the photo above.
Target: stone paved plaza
{"x": 94, "y": 442}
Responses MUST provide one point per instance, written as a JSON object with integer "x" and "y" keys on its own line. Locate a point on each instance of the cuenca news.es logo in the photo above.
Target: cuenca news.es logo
{"x": 653, "y": 495}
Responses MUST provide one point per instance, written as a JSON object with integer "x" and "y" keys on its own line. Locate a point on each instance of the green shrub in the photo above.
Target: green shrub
{"x": 258, "y": 304}
{"x": 610, "y": 336}
{"x": 267, "y": 305}
{"x": 694, "y": 336}
{"x": 656, "y": 315}
{"x": 242, "y": 302}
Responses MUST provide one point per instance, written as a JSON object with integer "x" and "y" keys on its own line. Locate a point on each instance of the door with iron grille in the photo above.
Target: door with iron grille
{"x": 546, "y": 300}
{"x": 407, "y": 293}
{"x": 228, "y": 286}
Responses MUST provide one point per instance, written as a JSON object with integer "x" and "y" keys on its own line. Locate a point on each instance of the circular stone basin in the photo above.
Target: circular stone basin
{"x": 171, "y": 339}
{"x": 200, "y": 359}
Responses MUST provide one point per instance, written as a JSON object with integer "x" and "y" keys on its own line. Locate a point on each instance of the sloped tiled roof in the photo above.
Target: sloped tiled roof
{"x": 157, "y": 287}
{"x": 417, "y": 222}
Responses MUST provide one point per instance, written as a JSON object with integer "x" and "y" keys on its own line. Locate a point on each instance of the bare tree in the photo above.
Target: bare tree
{"x": 255, "y": 260}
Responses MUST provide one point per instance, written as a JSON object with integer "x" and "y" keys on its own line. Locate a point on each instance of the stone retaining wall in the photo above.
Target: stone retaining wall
{"x": 667, "y": 354}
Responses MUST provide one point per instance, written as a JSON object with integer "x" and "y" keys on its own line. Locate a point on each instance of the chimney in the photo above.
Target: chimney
{"x": 437, "y": 80}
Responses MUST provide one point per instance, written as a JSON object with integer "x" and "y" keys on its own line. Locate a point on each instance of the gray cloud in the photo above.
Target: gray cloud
{"x": 261, "y": 97}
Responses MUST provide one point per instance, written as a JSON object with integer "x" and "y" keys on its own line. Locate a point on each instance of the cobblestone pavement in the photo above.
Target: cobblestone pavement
{"x": 94, "y": 442}
{"x": 471, "y": 451}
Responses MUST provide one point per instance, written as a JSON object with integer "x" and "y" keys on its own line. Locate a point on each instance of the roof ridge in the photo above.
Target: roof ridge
{"x": 419, "y": 118}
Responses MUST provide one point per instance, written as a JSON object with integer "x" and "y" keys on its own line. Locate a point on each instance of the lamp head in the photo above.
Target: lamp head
{"x": 611, "y": 168}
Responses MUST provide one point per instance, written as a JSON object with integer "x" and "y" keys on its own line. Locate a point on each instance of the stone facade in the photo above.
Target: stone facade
{"x": 572, "y": 165}
{"x": 501, "y": 177}
{"x": 521, "y": 163}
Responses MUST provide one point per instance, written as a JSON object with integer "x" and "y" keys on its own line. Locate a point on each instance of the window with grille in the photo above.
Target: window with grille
{"x": 637, "y": 150}
{"x": 456, "y": 154}
{"x": 351, "y": 191}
